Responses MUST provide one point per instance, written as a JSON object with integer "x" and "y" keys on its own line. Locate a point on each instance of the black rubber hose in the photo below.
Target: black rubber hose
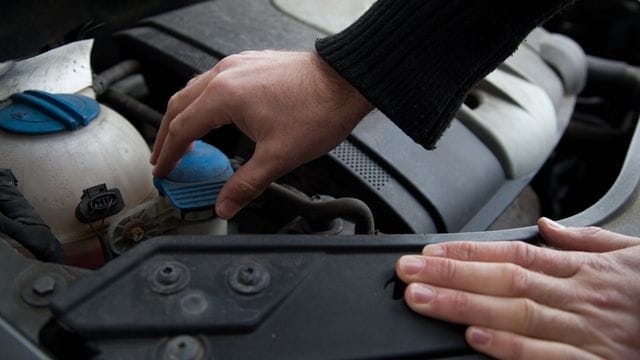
{"x": 132, "y": 108}
{"x": 19, "y": 220}
{"x": 105, "y": 79}
{"x": 129, "y": 106}
{"x": 615, "y": 77}
{"x": 351, "y": 209}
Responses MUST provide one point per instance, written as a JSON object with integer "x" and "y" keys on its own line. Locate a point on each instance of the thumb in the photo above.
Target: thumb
{"x": 246, "y": 184}
{"x": 590, "y": 239}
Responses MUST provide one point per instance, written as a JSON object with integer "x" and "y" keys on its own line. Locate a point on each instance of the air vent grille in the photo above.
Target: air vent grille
{"x": 362, "y": 165}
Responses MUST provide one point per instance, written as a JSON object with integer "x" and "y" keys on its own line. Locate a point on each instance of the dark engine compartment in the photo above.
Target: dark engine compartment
{"x": 279, "y": 285}
{"x": 378, "y": 163}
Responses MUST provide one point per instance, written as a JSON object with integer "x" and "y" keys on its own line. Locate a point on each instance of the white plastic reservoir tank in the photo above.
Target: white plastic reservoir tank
{"x": 59, "y": 145}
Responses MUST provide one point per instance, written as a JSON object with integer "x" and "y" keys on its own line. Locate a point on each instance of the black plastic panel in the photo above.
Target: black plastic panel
{"x": 332, "y": 298}
{"x": 454, "y": 181}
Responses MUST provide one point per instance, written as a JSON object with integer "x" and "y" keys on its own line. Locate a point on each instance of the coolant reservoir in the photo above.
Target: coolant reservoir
{"x": 186, "y": 207}
{"x": 58, "y": 145}
{"x": 193, "y": 188}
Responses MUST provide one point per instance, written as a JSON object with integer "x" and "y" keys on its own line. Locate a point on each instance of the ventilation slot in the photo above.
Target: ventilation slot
{"x": 362, "y": 165}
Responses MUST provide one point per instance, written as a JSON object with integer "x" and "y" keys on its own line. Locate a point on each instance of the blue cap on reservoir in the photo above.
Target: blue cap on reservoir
{"x": 38, "y": 113}
{"x": 197, "y": 180}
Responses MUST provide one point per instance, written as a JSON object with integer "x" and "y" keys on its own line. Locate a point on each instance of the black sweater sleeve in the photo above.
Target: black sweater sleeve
{"x": 415, "y": 60}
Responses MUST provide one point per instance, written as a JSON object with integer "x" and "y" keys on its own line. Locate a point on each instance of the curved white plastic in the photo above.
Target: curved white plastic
{"x": 52, "y": 170}
{"x": 328, "y": 15}
{"x": 515, "y": 119}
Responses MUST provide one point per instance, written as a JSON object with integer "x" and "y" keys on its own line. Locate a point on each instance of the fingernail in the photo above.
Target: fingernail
{"x": 411, "y": 265}
{"x": 479, "y": 337}
{"x": 422, "y": 294}
{"x": 434, "y": 250}
{"x": 553, "y": 224}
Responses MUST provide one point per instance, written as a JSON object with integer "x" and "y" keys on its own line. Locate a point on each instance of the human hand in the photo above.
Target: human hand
{"x": 291, "y": 104}
{"x": 529, "y": 302}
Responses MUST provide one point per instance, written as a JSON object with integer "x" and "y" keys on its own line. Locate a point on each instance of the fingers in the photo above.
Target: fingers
{"x": 248, "y": 182}
{"x": 499, "y": 279}
{"x": 507, "y": 345}
{"x": 203, "y": 114}
{"x": 548, "y": 261}
{"x": 591, "y": 239}
{"x": 518, "y": 315}
{"x": 178, "y": 102}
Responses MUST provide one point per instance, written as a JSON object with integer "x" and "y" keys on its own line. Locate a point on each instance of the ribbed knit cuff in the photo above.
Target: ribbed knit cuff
{"x": 415, "y": 60}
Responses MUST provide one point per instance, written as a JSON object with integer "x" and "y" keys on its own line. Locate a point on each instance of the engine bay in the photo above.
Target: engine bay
{"x": 147, "y": 270}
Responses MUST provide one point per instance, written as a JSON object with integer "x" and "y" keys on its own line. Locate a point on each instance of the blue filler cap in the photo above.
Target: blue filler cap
{"x": 197, "y": 180}
{"x": 38, "y": 112}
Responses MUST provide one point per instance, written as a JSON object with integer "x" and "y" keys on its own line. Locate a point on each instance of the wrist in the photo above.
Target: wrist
{"x": 351, "y": 101}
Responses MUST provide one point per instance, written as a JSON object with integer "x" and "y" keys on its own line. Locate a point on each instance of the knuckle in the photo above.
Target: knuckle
{"x": 175, "y": 101}
{"x": 447, "y": 269}
{"x": 525, "y": 254}
{"x": 518, "y": 279}
{"x": 593, "y": 232}
{"x": 176, "y": 131}
{"x": 471, "y": 249}
{"x": 464, "y": 250}
{"x": 599, "y": 299}
{"x": 229, "y": 61}
{"x": 224, "y": 85}
{"x": 607, "y": 299}
{"x": 606, "y": 264}
{"x": 195, "y": 78}
{"x": 529, "y": 316}
{"x": 461, "y": 303}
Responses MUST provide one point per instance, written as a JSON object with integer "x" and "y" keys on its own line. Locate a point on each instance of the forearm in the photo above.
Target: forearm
{"x": 415, "y": 60}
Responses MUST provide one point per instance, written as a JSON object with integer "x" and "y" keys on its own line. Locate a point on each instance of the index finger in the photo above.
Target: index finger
{"x": 204, "y": 114}
{"x": 177, "y": 103}
{"x": 548, "y": 261}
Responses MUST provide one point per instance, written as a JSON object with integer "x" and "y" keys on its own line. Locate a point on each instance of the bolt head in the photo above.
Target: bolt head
{"x": 44, "y": 285}
{"x": 183, "y": 348}
{"x": 249, "y": 275}
{"x": 134, "y": 232}
{"x": 248, "y": 278}
{"x": 168, "y": 274}
{"x": 169, "y": 277}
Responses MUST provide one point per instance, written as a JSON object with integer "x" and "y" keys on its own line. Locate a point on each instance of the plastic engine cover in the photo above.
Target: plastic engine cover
{"x": 478, "y": 168}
